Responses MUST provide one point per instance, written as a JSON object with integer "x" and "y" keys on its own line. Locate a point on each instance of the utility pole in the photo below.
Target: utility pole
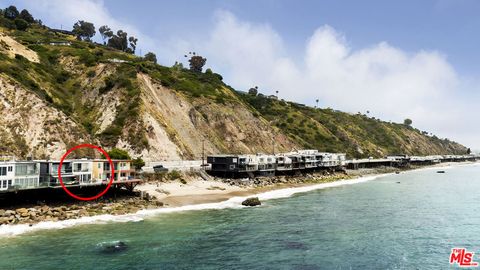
{"x": 203, "y": 154}
{"x": 317, "y": 103}
{"x": 273, "y": 145}
{"x": 276, "y": 93}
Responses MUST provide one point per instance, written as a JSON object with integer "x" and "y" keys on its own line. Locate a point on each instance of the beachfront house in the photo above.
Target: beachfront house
{"x": 297, "y": 161}
{"x": 309, "y": 157}
{"x": 284, "y": 163}
{"x": 266, "y": 165}
{"x": 6, "y": 175}
{"x": 247, "y": 164}
{"x": 331, "y": 160}
{"x": 77, "y": 171}
{"x": 27, "y": 174}
{"x": 223, "y": 165}
{"x": 101, "y": 170}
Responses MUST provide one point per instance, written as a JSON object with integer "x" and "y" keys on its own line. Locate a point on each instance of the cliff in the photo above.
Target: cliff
{"x": 54, "y": 96}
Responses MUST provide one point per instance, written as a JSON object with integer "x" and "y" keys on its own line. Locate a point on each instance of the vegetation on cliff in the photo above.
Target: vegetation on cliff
{"x": 106, "y": 91}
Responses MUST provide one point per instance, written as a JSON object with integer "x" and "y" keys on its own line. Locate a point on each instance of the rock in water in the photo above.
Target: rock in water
{"x": 112, "y": 247}
{"x": 440, "y": 171}
{"x": 254, "y": 201}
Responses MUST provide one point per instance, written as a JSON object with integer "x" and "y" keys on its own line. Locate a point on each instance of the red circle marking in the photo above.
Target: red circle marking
{"x": 111, "y": 175}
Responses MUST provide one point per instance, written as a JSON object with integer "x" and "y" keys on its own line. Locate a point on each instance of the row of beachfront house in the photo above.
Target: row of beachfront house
{"x": 268, "y": 165}
{"x": 17, "y": 175}
{"x": 309, "y": 160}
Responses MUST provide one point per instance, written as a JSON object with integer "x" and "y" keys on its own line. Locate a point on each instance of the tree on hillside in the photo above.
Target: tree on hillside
{"x": 196, "y": 62}
{"x": 469, "y": 151}
{"x": 11, "y": 12}
{"x": 407, "y": 122}
{"x": 253, "y": 91}
{"x": 84, "y": 30}
{"x": 177, "y": 66}
{"x": 150, "y": 56}
{"x": 21, "y": 24}
{"x": 133, "y": 43}
{"x": 25, "y": 15}
{"x": 116, "y": 153}
{"x": 119, "y": 41}
{"x": 105, "y": 32}
{"x": 138, "y": 163}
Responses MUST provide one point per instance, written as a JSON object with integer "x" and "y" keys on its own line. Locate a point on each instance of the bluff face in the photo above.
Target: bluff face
{"x": 56, "y": 92}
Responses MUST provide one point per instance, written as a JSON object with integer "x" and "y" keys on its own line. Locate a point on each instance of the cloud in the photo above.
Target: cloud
{"x": 390, "y": 83}
{"x": 63, "y": 14}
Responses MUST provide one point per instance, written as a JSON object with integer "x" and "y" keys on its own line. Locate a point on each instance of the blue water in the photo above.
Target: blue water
{"x": 380, "y": 224}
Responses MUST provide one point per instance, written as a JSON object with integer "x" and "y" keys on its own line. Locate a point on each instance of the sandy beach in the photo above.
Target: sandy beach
{"x": 174, "y": 194}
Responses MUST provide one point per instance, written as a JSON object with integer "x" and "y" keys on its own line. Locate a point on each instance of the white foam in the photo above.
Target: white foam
{"x": 235, "y": 202}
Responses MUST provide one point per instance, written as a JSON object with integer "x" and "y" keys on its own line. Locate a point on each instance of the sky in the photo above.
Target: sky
{"x": 394, "y": 59}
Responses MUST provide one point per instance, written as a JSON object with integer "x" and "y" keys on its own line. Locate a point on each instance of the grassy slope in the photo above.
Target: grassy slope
{"x": 322, "y": 129}
{"x": 357, "y": 135}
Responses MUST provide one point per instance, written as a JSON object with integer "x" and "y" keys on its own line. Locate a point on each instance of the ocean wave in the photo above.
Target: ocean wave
{"x": 234, "y": 202}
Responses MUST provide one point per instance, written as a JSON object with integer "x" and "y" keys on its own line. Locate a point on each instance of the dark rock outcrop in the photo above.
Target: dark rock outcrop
{"x": 254, "y": 201}
{"x": 113, "y": 247}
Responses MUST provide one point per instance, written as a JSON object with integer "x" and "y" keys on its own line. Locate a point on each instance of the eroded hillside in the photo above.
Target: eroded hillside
{"x": 357, "y": 135}
{"x": 56, "y": 92}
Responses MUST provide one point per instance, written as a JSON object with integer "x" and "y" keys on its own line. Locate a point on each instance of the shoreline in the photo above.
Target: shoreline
{"x": 214, "y": 199}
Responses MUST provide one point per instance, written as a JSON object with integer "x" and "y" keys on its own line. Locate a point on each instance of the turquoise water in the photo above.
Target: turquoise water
{"x": 380, "y": 224}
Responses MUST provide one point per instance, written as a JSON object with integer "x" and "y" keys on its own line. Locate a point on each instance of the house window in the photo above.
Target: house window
{"x": 9, "y": 183}
{"x": 234, "y": 160}
{"x": 99, "y": 165}
{"x": 123, "y": 175}
{"x": 3, "y": 171}
{"x": 10, "y": 168}
{"x": 4, "y": 184}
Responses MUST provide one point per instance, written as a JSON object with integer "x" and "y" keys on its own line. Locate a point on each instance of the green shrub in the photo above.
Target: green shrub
{"x": 174, "y": 175}
{"x": 138, "y": 163}
{"x": 21, "y": 24}
{"x": 19, "y": 57}
{"x": 91, "y": 73}
{"x": 116, "y": 153}
{"x": 62, "y": 76}
{"x": 109, "y": 84}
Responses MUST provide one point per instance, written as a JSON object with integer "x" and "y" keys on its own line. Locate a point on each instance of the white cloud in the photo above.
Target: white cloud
{"x": 63, "y": 14}
{"x": 390, "y": 83}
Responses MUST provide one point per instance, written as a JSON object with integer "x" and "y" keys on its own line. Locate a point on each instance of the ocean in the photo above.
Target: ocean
{"x": 410, "y": 220}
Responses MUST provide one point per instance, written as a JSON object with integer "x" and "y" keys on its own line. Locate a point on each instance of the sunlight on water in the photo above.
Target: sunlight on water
{"x": 380, "y": 224}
